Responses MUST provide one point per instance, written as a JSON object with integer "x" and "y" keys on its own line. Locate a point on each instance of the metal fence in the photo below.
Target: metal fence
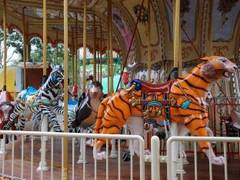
{"x": 172, "y": 163}
{"x": 20, "y": 159}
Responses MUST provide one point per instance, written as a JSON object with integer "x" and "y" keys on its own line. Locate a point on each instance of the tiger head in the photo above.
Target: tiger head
{"x": 217, "y": 67}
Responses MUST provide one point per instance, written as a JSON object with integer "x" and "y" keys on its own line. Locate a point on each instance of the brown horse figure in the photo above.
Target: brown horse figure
{"x": 88, "y": 103}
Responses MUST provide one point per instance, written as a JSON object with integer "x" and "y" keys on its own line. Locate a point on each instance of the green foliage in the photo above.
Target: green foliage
{"x": 55, "y": 55}
{"x": 14, "y": 39}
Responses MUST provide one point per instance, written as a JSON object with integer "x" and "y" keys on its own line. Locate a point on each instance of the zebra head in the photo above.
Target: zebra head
{"x": 55, "y": 78}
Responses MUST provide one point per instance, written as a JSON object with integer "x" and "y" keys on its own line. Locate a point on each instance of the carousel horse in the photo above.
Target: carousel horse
{"x": 179, "y": 101}
{"x": 41, "y": 101}
{"x": 86, "y": 110}
{"x": 6, "y": 107}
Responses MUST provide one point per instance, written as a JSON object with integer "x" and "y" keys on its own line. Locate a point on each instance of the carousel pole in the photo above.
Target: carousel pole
{"x": 94, "y": 48}
{"x": 44, "y": 125}
{"x": 74, "y": 55}
{"x": 176, "y": 33}
{"x": 97, "y": 57}
{"x": 76, "y": 52}
{"x": 5, "y": 45}
{"x": 57, "y": 49}
{"x": 176, "y": 58}
{"x": 98, "y": 67}
{"x": 65, "y": 140}
{"x": 84, "y": 43}
{"x": 44, "y": 39}
{"x": 101, "y": 50}
{"x": 209, "y": 44}
{"x": 149, "y": 40}
{"x": 24, "y": 48}
{"x": 110, "y": 50}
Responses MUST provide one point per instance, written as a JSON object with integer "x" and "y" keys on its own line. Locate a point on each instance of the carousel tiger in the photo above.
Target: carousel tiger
{"x": 182, "y": 100}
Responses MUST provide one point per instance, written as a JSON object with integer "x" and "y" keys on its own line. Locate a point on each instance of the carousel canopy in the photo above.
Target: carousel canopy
{"x": 208, "y": 27}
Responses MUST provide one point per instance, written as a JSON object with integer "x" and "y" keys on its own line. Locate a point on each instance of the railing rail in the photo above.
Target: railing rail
{"x": 60, "y": 136}
{"x": 171, "y": 161}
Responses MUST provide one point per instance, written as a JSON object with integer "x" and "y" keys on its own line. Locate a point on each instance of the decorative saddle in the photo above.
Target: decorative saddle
{"x": 154, "y": 99}
{"x": 29, "y": 95}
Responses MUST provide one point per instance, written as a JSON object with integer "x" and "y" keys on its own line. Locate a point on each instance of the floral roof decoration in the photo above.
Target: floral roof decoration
{"x": 225, "y": 6}
{"x": 141, "y": 12}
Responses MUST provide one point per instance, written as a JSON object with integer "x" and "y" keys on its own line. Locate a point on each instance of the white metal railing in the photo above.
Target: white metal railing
{"x": 171, "y": 154}
{"x": 15, "y": 168}
{"x": 155, "y": 159}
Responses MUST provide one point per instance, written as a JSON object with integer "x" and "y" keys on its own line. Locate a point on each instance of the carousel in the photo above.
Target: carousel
{"x": 83, "y": 69}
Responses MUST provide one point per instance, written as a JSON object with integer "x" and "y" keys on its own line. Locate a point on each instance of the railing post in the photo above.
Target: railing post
{"x": 113, "y": 153}
{"x": 155, "y": 162}
{"x": 142, "y": 159}
{"x": 82, "y": 151}
{"x": 43, "y": 163}
{"x": 2, "y": 147}
{"x": 171, "y": 159}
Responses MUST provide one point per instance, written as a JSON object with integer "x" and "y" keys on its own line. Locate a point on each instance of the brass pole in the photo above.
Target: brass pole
{"x": 57, "y": 48}
{"x": 110, "y": 54}
{"x": 65, "y": 140}
{"x": 84, "y": 42}
{"x": 209, "y": 48}
{"x": 176, "y": 33}
{"x": 5, "y": 45}
{"x": 24, "y": 49}
{"x": 44, "y": 38}
{"x": 94, "y": 48}
{"x": 98, "y": 67}
{"x": 73, "y": 55}
{"x": 27, "y": 40}
{"x": 76, "y": 48}
{"x": 101, "y": 50}
{"x": 149, "y": 40}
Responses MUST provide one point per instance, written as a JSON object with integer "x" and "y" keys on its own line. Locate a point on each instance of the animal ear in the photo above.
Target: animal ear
{"x": 206, "y": 58}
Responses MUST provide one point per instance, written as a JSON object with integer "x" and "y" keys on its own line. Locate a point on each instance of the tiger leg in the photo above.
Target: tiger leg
{"x": 198, "y": 127}
{"x": 97, "y": 154}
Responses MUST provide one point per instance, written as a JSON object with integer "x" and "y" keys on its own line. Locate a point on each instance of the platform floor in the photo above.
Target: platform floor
{"x": 218, "y": 171}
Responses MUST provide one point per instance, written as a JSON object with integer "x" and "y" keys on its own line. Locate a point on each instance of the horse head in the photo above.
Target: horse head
{"x": 217, "y": 67}
{"x": 55, "y": 78}
{"x": 5, "y": 96}
{"x": 96, "y": 90}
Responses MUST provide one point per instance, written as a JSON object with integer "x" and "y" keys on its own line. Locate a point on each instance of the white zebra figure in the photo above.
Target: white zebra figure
{"x": 42, "y": 101}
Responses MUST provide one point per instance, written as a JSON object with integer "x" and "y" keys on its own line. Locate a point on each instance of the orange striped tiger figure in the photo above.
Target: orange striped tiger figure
{"x": 188, "y": 110}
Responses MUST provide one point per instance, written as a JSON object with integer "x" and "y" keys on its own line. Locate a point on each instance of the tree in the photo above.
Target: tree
{"x": 14, "y": 44}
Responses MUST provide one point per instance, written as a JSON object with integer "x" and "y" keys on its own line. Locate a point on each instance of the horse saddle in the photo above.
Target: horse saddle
{"x": 83, "y": 111}
{"x": 149, "y": 87}
{"x": 29, "y": 95}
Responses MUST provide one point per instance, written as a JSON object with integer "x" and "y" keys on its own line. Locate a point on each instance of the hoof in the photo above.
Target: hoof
{"x": 100, "y": 156}
{"x": 147, "y": 158}
{"x": 220, "y": 160}
{"x": 58, "y": 130}
{"x": 126, "y": 156}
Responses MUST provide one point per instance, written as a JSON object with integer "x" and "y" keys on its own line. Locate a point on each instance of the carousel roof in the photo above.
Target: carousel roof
{"x": 204, "y": 24}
